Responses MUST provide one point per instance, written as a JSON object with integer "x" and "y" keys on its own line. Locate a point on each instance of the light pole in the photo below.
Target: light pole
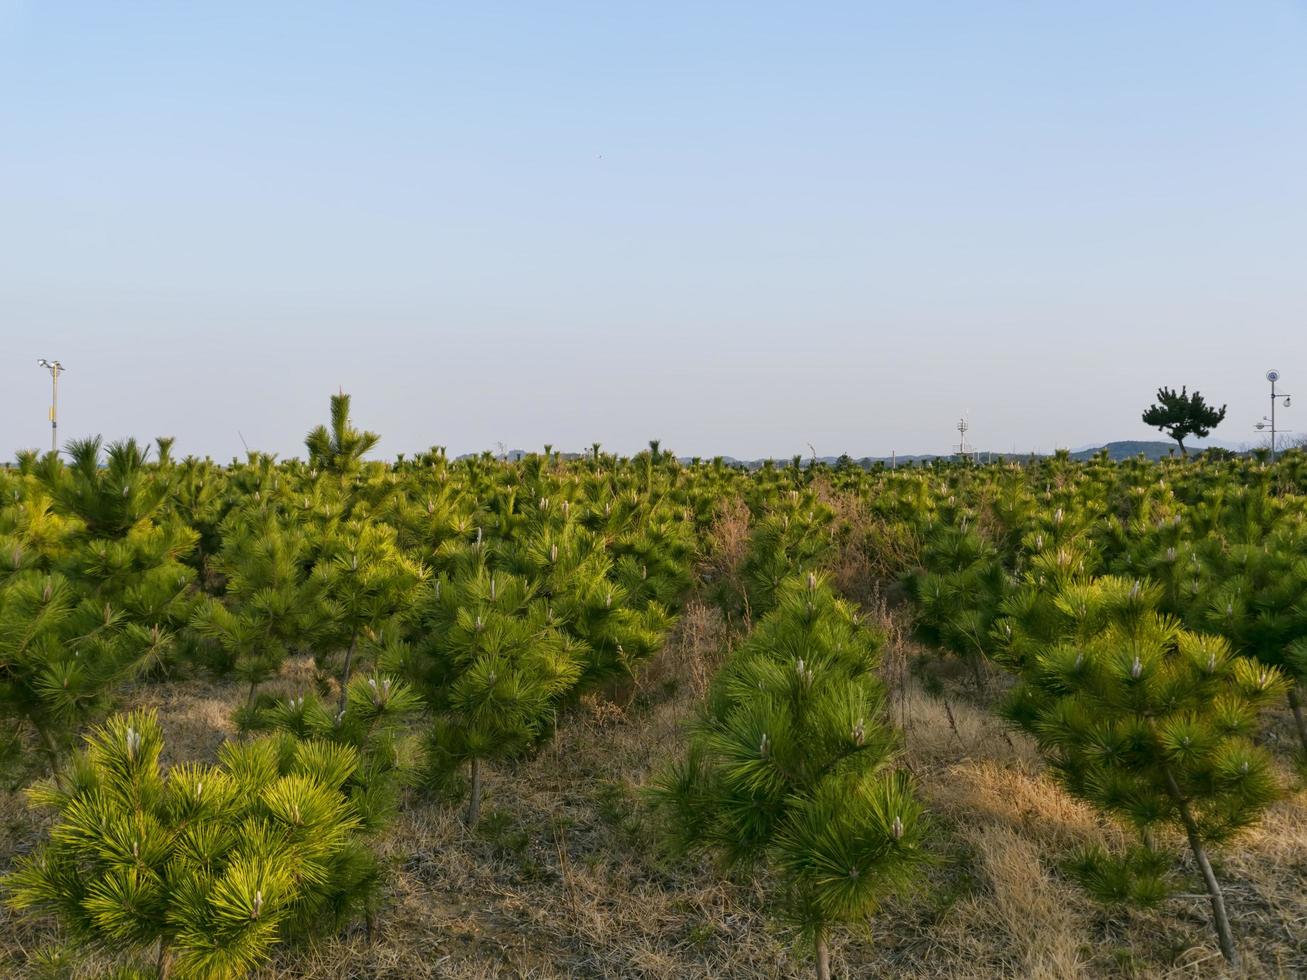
{"x": 54, "y": 367}
{"x": 1272, "y": 377}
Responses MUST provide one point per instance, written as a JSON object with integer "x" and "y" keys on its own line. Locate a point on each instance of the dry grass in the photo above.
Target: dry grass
{"x": 564, "y": 879}
{"x": 870, "y": 553}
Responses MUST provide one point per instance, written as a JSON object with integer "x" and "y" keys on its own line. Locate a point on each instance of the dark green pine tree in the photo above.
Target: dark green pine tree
{"x": 1256, "y": 597}
{"x": 791, "y": 766}
{"x": 201, "y": 870}
{"x": 618, "y": 626}
{"x": 365, "y": 582}
{"x": 958, "y": 590}
{"x": 615, "y": 632}
{"x": 129, "y": 552}
{"x": 1181, "y": 415}
{"x": 1152, "y": 724}
{"x": 271, "y": 604}
{"x": 494, "y": 665}
{"x": 795, "y": 535}
{"x": 61, "y": 656}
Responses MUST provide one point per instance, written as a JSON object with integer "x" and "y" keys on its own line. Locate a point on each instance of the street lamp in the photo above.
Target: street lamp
{"x": 55, "y": 368}
{"x": 1269, "y": 421}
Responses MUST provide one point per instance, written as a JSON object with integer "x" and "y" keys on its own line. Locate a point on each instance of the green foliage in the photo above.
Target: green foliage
{"x": 340, "y": 449}
{"x": 364, "y": 582}
{"x": 271, "y": 605}
{"x": 210, "y": 866}
{"x": 375, "y": 724}
{"x": 127, "y": 553}
{"x": 1181, "y": 415}
{"x": 1151, "y": 723}
{"x": 494, "y": 665}
{"x": 33, "y": 537}
{"x": 60, "y": 657}
{"x": 791, "y": 766}
{"x": 958, "y": 592}
{"x": 792, "y": 535}
{"x": 110, "y": 499}
{"x": 1140, "y": 877}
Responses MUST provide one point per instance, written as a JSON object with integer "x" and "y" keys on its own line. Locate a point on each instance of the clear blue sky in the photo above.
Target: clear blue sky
{"x": 742, "y": 228}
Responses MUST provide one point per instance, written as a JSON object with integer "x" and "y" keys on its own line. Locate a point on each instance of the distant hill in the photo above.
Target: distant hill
{"x": 1127, "y": 448}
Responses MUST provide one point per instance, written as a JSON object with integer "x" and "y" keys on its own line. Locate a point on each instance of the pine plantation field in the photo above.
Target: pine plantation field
{"x": 596, "y": 716}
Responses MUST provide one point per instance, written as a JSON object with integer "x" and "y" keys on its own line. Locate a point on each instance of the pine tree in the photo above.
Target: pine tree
{"x": 61, "y": 655}
{"x": 270, "y": 605}
{"x": 199, "y": 499}
{"x": 1151, "y": 723}
{"x": 375, "y": 724}
{"x": 1256, "y": 597}
{"x": 494, "y": 665}
{"x": 365, "y": 582}
{"x": 341, "y": 448}
{"x": 618, "y": 625}
{"x": 127, "y": 553}
{"x": 958, "y": 591}
{"x": 791, "y": 765}
{"x": 794, "y": 536}
{"x": 1181, "y": 415}
{"x": 32, "y": 536}
{"x": 203, "y": 869}
{"x": 111, "y": 499}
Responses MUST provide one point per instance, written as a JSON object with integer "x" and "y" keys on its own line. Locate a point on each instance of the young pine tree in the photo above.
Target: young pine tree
{"x": 375, "y": 724}
{"x": 365, "y": 581}
{"x": 1152, "y": 724}
{"x": 494, "y": 665}
{"x": 129, "y": 553}
{"x": 270, "y": 606}
{"x": 202, "y": 869}
{"x": 341, "y": 448}
{"x": 958, "y": 591}
{"x": 32, "y": 535}
{"x": 791, "y": 765}
{"x": 1257, "y": 599}
{"x": 795, "y": 534}
{"x": 61, "y": 655}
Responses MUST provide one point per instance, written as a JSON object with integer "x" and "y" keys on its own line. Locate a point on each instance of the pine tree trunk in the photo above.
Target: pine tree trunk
{"x": 823, "y": 956}
{"x": 47, "y": 743}
{"x": 249, "y": 701}
{"x": 474, "y": 798}
{"x": 1223, "y": 934}
{"x": 163, "y": 966}
{"x": 976, "y": 672}
{"x": 1296, "y": 704}
{"x": 344, "y": 677}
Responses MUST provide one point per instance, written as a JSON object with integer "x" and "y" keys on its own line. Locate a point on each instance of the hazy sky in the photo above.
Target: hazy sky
{"x": 742, "y": 228}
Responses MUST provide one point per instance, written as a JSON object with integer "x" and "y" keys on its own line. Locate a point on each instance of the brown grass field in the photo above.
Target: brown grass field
{"x": 564, "y": 877}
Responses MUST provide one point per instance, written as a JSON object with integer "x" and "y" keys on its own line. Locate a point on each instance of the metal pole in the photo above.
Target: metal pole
{"x": 1272, "y": 421}
{"x": 54, "y": 408}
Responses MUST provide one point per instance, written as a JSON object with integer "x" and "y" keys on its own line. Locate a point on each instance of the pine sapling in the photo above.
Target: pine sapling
{"x": 791, "y": 767}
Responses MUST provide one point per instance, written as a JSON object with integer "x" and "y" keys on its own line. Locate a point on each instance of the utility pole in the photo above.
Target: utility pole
{"x": 1272, "y": 377}
{"x": 55, "y": 368}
